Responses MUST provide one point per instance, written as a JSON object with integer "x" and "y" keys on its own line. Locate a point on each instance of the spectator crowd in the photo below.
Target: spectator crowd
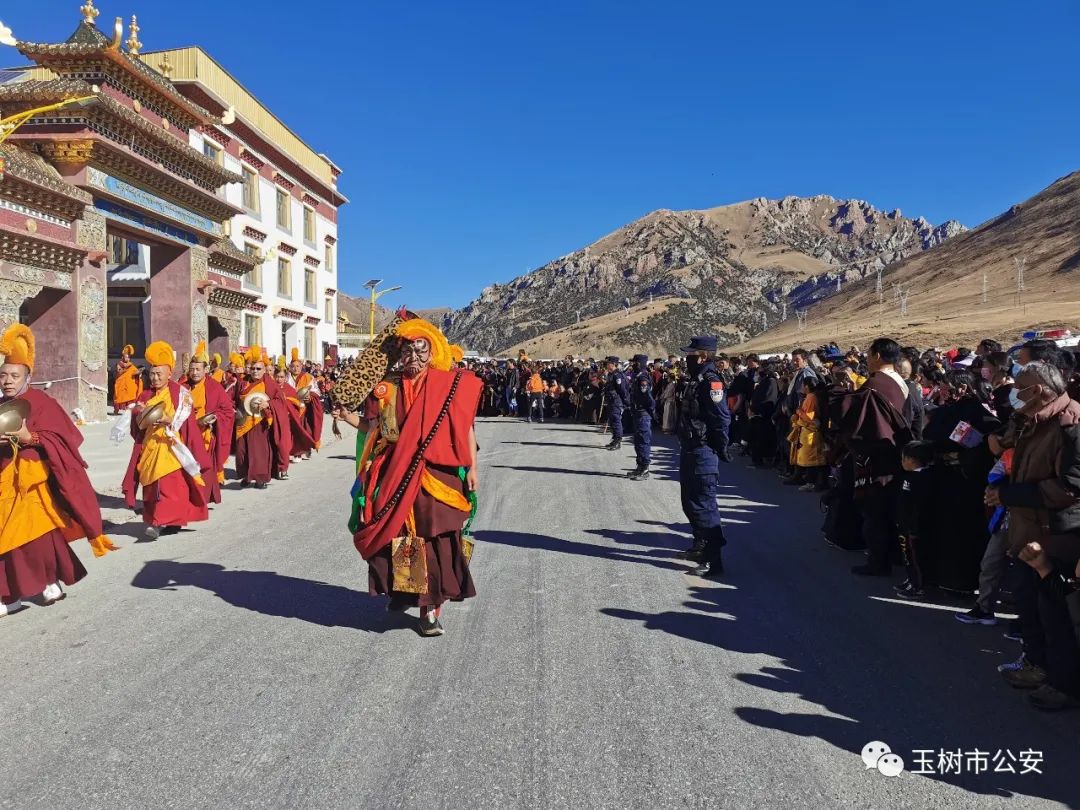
{"x": 959, "y": 468}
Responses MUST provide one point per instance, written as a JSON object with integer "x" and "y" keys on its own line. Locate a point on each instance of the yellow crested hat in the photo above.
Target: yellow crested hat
{"x": 457, "y": 354}
{"x": 294, "y": 355}
{"x": 281, "y": 362}
{"x": 17, "y": 345}
{"x": 160, "y": 353}
{"x": 236, "y": 359}
{"x": 254, "y": 354}
{"x": 217, "y": 359}
{"x": 415, "y": 328}
{"x": 265, "y": 357}
{"x": 200, "y": 355}
{"x": 128, "y": 349}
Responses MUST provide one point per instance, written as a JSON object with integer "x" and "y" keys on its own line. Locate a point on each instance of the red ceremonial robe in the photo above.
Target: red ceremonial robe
{"x": 450, "y": 447}
{"x": 281, "y": 440}
{"x": 175, "y": 499}
{"x": 314, "y": 412}
{"x": 302, "y": 440}
{"x": 254, "y": 450}
{"x": 49, "y": 559}
{"x": 219, "y": 404}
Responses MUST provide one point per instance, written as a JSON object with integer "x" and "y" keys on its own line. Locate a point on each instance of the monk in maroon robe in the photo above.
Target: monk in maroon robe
{"x": 281, "y": 432}
{"x": 252, "y": 436}
{"x": 169, "y": 460}
{"x": 52, "y": 502}
{"x": 302, "y": 441}
{"x": 215, "y": 416}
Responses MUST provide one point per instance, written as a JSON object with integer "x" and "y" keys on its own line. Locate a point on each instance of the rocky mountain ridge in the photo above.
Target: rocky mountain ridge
{"x": 733, "y": 271}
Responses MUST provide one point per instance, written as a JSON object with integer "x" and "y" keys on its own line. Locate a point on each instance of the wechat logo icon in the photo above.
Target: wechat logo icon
{"x": 877, "y": 755}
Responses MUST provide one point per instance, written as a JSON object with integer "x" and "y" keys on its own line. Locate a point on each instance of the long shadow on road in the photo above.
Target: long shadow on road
{"x": 273, "y": 594}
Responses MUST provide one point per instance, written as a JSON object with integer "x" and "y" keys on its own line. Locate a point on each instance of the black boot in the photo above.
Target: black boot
{"x": 614, "y": 444}
{"x": 640, "y": 474}
{"x": 696, "y": 553}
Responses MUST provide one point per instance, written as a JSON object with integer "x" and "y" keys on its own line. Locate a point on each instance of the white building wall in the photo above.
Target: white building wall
{"x": 265, "y": 221}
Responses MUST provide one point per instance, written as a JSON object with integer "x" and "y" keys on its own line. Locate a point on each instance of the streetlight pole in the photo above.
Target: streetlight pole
{"x": 375, "y": 296}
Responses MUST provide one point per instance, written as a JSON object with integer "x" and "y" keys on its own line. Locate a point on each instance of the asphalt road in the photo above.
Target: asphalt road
{"x": 242, "y": 664}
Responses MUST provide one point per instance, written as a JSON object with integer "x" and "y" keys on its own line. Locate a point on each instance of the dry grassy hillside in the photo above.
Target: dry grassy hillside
{"x": 945, "y": 284}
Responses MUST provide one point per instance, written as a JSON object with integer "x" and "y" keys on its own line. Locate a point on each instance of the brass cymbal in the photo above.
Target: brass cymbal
{"x": 13, "y": 414}
{"x": 149, "y": 416}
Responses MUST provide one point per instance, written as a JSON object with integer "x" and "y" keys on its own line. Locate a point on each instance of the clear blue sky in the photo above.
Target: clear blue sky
{"x": 482, "y": 139}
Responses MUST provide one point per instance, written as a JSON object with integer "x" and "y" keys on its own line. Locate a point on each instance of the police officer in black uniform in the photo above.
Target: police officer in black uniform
{"x": 617, "y": 397}
{"x": 643, "y": 411}
{"x": 704, "y": 420}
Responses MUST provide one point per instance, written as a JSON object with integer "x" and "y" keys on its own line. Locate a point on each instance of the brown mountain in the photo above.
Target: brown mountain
{"x": 733, "y": 271}
{"x": 944, "y": 287}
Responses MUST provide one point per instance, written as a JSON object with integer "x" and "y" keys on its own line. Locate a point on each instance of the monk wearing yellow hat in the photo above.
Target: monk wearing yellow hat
{"x": 216, "y": 370}
{"x": 46, "y": 499}
{"x": 311, "y": 406}
{"x": 128, "y": 384}
{"x": 253, "y": 430}
{"x": 169, "y": 460}
{"x": 215, "y": 415}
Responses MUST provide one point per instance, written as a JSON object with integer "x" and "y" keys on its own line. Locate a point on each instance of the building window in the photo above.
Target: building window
{"x": 253, "y": 280}
{"x": 214, "y": 152}
{"x": 125, "y": 326}
{"x": 121, "y": 251}
{"x": 309, "y": 225}
{"x": 309, "y": 342}
{"x": 252, "y": 329}
{"x": 329, "y": 314}
{"x": 251, "y": 191}
{"x": 329, "y": 263}
{"x": 284, "y": 278}
{"x": 309, "y": 288}
{"x": 284, "y": 220}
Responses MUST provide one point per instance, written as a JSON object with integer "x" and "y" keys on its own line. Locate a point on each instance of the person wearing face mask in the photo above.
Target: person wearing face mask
{"x": 45, "y": 494}
{"x": 704, "y": 421}
{"x": 417, "y": 480}
{"x": 1043, "y": 499}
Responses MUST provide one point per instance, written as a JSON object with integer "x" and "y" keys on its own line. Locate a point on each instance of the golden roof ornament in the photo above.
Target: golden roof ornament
{"x": 89, "y": 13}
{"x": 165, "y": 68}
{"x": 118, "y": 34}
{"x": 133, "y": 44}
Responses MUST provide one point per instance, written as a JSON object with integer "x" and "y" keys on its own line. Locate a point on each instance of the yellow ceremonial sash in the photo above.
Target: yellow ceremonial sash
{"x": 250, "y": 421}
{"x": 443, "y": 493}
{"x": 27, "y": 509}
{"x": 198, "y": 399}
{"x": 157, "y": 459}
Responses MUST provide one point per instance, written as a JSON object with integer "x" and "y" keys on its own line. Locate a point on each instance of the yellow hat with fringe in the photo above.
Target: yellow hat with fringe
{"x": 160, "y": 353}
{"x": 18, "y": 346}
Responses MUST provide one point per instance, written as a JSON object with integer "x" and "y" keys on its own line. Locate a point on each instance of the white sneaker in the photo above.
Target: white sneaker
{"x": 1013, "y": 666}
{"x": 151, "y": 532}
{"x": 53, "y": 593}
{"x": 14, "y": 607}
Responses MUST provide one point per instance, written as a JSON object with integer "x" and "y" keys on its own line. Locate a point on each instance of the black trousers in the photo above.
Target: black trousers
{"x": 877, "y": 504}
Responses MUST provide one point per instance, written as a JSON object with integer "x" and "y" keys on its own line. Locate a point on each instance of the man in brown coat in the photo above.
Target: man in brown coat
{"x": 1043, "y": 499}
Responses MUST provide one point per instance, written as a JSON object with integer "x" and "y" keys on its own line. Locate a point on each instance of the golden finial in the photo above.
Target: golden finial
{"x": 133, "y": 44}
{"x": 165, "y": 68}
{"x": 89, "y": 13}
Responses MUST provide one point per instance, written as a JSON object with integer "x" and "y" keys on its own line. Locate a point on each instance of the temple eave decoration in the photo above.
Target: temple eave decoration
{"x": 234, "y": 299}
{"x": 226, "y": 257}
{"x": 39, "y": 251}
{"x": 31, "y": 182}
{"x": 112, "y": 120}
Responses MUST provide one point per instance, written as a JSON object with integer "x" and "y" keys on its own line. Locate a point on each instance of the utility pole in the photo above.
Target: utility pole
{"x": 838, "y": 283}
{"x": 764, "y": 321}
{"x": 880, "y": 299}
{"x": 904, "y": 294}
{"x": 1020, "y": 263}
{"x": 783, "y": 308}
{"x": 986, "y": 287}
{"x": 801, "y": 315}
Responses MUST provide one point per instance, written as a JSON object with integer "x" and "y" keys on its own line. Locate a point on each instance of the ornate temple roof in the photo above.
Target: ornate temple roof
{"x": 89, "y": 45}
{"x": 27, "y": 168}
{"x": 229, "y": 258}
{"x": 34, "y": 92}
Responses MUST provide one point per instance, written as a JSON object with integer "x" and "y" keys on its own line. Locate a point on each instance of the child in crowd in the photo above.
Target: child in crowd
{"x": 914, "y": 516}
